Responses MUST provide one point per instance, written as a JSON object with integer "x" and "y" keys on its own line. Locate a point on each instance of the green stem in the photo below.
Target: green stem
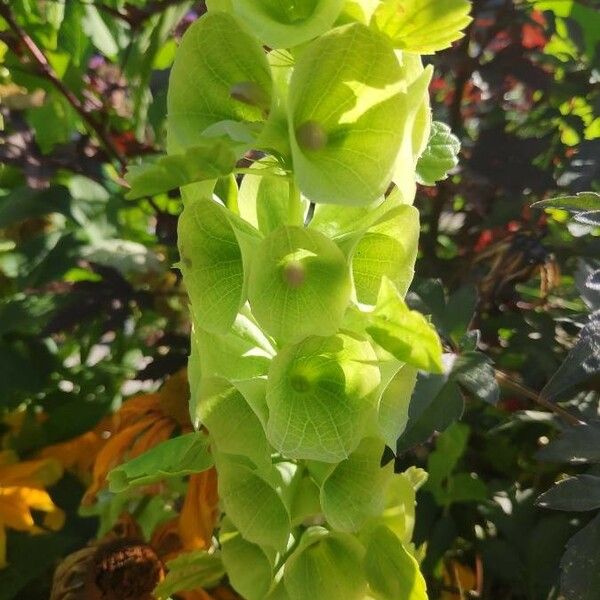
{"x": 295, "y": 206}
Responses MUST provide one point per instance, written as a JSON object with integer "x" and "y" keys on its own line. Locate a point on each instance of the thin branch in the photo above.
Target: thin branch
{"x": 504, "y": 379}
{"x": 47, "y": 72}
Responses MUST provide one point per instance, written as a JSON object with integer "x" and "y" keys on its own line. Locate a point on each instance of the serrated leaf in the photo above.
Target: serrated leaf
{"x": 208, "y": 160}
{"x": 190, "y": 571}
{"x": 440, "y": 155}
{"x": 582, "y": 202}
{"x": 392, "y": 572}
{"x": 176, "y": 457}
{"x": 404, "y": 333}
{"x": 573, "y": 494}
{"x": 423, "y": 26}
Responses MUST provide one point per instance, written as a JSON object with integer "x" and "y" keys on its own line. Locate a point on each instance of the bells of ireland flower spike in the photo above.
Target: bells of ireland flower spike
{"x": 346, "y": 110}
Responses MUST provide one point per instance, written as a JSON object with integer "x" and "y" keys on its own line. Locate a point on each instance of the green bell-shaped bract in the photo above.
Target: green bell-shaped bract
{"x": 321, "y": 395}
{"x": 252, "y": 500}
{"x": 249, "y": 566}
{"x": 392, "y": 572}
{"x": 355, "y": 489}
{"x": 392, "y": 413}
{"x": 214, "y": 246}
{"x": 347, "y": 105}
{"x": 283, "y": 23}
{"x": 299, "y": 284}
{"x": 233, "y": 426}
{"x": 326, "y": 566}
{"x": 220, "y": 74}
{"x": 242, "y": 353}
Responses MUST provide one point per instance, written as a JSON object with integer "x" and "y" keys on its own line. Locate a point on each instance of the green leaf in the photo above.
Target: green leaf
{"x": 208, "y": 159}
{"x": 580, "y": 564}
{"x": 189, "y": 571}
{"x": 253, "y": 504}
{"x": 578, "y": 444}
{"x": 440, "y": 156}
{"x": 284, "y": 23}
{"x": 176, "y": 457}
{"x": 361, "y": 479}
{"x": 232, "y": 424}
{"x": 326, "y": 566}
{"x": 394, "y": 403}
{"x": 212, "y": 263}
{"x": 23, "y": 203}
{"x": 582, "y": 202}
{"x": 299, "y": 285}
{"x": 249, "y": 567}
{"x": 404, "y": 333}
{"x": 220, "y": 73}
{"x": 346, "y": 116}
{"x": 581, "y": 364}
{"x": 580, "y": 493}
{"x": 392, "y": 572}
{"x": 320, "y": 394}
{"x": 388, "y": 249}
{"x": 96, "y": 30}
{"x": 423, "y": 26}
{"x": 475, "y": 372}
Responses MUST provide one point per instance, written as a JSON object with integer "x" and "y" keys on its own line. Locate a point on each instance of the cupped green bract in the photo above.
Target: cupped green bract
{"x": 326, "y": 566}
{"x": 212, "y": 262}
{"x": 423, "y": 26}
{"x": 220, "y": 73}
{"x": 320, "y": 395}
{"x": 404, "y": 333}
{"x": 440, "y": 156}
{"x": 346, "y": 113}
{"x": 354, "y": 491}
{"x": 250, "y": 499}
{"x": 388, "y": 248}
{"x": 233, "y": 426}
{"x": 392, "y": 572}
{"x": 299, "y": 284}
{"x": 249, "y": 567}
{"x": 284, "y": 23}
{"x": 392, "y": 415}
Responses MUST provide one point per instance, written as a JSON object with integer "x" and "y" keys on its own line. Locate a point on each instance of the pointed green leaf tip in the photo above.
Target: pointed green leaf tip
{"x": 220, "y": 73}
{"x": 346, "y": 111}
{"x": 403, "y": 332}
{"x": 440, "y": 155}
{"x": 423, "y": 26}
{"x": 320, "y": 394}
{"x": 208, "y": 159}
{"x": 180, "y": 456}
{"x": 299, "y": 285}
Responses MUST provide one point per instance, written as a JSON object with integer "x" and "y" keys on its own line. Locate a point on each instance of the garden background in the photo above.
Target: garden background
{"x": 94, "y": 327}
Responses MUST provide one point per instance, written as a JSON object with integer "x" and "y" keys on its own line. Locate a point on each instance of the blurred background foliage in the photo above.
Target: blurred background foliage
{"x": 91, "y": 312}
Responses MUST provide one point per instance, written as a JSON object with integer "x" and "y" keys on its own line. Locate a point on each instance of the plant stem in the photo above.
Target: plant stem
{"x": 295, "y": 211}
{"x": 45, "y": 69}
{"x": 504, "y": 379}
